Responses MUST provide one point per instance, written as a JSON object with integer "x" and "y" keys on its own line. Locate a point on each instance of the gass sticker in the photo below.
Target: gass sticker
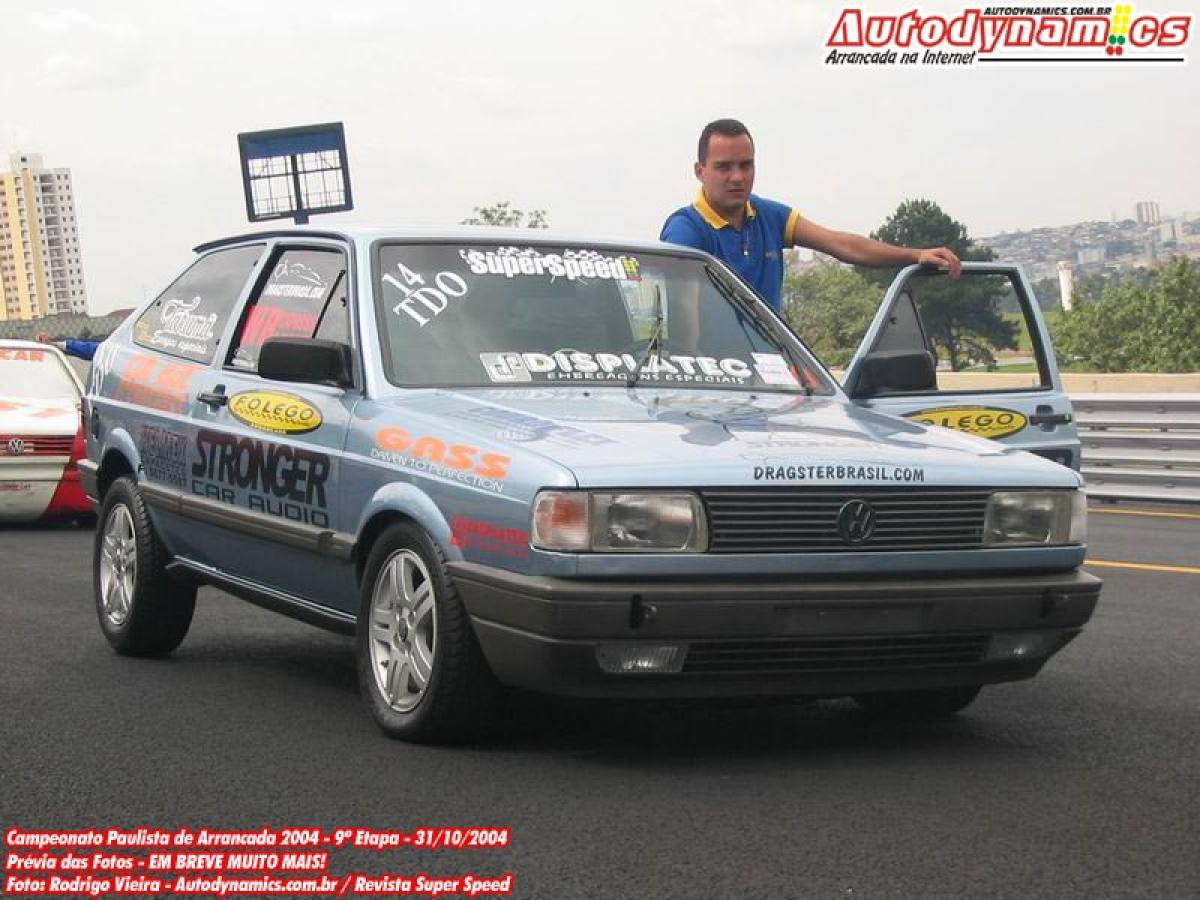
{"x": 457, "y": 462}
{"x": 984, "y": 421}
{"x": 276, "y": 412}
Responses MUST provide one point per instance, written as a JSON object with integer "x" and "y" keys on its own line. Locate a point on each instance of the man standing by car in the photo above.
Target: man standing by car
{"x": 749, "y": 233}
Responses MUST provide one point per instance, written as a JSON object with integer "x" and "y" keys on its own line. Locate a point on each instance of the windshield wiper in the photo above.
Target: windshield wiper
{"x": 750, "y": 308}
{"x": 656, "y": 341}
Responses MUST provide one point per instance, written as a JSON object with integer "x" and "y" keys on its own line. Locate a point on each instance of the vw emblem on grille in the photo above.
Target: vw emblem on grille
{"x": 856, "y": 521}
{"x": 16, "y": 446}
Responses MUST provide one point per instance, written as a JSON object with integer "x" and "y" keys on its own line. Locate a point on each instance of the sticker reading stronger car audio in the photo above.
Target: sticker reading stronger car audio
{"x": 984, "y": 421}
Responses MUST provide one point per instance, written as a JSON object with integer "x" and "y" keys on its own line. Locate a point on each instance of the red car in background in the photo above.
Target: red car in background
{"x": 41, "y": 435}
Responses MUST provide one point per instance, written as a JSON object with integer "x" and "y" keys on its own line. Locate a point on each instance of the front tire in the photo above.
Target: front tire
{"x": 420, "y": 669}
{"x": 930, "y": 704}
{"x": 142, "y": 611}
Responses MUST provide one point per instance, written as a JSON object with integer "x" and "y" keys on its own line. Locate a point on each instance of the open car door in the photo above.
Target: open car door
{"x": 971, "y": 354}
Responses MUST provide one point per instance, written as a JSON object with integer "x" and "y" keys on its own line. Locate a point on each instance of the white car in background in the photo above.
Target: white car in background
{"x": 41, "y": 435}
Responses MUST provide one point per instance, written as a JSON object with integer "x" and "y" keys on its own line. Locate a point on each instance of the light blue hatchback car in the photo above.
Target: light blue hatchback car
{"x": 587, "y": 468}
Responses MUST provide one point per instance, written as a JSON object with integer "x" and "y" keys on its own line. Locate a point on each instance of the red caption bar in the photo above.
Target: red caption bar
{"x": 201, "y": 861}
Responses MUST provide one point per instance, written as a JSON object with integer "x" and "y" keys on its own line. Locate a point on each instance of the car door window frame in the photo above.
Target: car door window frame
{"x": 1034, "y": 324}
{"x": 274, "y": 252}
{"x": 233, "y": 315}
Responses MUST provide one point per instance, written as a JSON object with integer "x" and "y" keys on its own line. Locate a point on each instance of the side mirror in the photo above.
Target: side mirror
{"x": 895, "y": 371}
{"x": 305, "y": 359}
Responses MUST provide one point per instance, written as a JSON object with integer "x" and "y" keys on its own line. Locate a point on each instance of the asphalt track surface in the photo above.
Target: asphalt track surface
{"x": 1083, "y": 782}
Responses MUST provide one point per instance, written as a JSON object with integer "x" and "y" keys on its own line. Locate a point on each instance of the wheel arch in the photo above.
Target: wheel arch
{"x": 120, "y": 458}
{"x": 401, "y": 503}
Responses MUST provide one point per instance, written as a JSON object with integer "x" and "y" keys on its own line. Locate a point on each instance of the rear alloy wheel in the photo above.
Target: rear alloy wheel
{"x": 142, "y": 611}
{"x": 931, "y": 704}
{"x": 420, "y": 669}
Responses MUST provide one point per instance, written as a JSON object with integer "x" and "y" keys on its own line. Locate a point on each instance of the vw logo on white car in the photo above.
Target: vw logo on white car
{"x": 856, "y": 521}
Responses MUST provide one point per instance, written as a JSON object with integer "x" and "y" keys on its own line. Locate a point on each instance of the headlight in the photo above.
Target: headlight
{"x": 625, "y": 522}
{"x": 1036, "y": 517}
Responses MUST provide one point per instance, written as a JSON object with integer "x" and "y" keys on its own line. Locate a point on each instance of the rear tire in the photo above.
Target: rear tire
{"x": 142, "y": 611}
{"x": 420, "y": 669}
{"x": 931, "y": 704}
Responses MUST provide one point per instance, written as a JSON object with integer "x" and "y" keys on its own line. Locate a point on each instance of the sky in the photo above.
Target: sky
{"x": 589, "y": 111}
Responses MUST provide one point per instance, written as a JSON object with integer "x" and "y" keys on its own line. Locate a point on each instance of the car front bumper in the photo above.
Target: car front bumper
{"x": 772, "y": 637}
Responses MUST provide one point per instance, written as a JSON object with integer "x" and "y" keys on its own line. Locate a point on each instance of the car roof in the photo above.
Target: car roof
{"x": 16, "y": 344}
{"x": 465, "y": 234}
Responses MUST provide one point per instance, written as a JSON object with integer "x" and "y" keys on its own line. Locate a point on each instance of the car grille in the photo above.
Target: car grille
{"x": 36, "y": 444}
{"x": 800, "y": 519}
{"x": 870, "y": 653}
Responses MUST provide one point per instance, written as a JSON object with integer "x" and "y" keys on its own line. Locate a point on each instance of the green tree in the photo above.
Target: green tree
{"x": 502, "y": 214}
{"x": 963, "y": 319}
{"x": 1145, "y": 321}
{"x": 830, "y": 306}
{"x": 1047, "y": 292}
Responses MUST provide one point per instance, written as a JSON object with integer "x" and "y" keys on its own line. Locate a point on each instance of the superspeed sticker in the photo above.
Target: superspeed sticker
{"x": 512, "y": 262}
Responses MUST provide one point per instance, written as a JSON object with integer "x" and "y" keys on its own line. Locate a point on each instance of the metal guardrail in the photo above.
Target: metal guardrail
{"x": 1140, "y": 446}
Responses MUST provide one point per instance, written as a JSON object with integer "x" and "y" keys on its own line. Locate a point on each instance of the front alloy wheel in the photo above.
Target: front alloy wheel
{"x": 403, "y": 630}
{"x": 420, "y": 669}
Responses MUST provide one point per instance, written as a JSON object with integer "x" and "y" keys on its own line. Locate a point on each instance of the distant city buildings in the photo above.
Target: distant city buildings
{"x": 1066, "y": 284}
{"x": 1147, "y": 213}
{"x": 41, "y": 270}
{"x": 1095, "y": 248}
{"x": 1170, "y": 231}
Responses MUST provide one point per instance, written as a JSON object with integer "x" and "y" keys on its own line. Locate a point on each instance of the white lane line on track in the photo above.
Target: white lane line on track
{"x": 1149, "y": 567}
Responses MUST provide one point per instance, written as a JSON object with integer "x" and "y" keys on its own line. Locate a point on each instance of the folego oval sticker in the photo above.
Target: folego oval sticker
{"x": 984, "y": 421}
{"x": 275, "y": 412}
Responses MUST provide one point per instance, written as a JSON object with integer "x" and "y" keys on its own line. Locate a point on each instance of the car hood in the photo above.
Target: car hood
{"x": 26, "y": 416}
{"x": 687, "y": 437}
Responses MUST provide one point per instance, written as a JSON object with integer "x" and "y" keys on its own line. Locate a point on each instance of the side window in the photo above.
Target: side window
{"x": 189, "y": 317}
{"x": 305, "y": 295}
{"x": 980, "y": 323}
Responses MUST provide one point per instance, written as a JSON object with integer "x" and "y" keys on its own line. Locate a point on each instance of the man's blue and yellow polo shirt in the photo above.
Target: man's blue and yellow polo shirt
{"x": 754, "y": 251}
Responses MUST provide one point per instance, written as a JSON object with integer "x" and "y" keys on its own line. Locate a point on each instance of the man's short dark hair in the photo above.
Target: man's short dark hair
{"x": 723, "y": 127}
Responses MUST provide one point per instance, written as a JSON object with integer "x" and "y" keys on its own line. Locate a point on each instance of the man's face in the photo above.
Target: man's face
{"x": 728, "y": 173}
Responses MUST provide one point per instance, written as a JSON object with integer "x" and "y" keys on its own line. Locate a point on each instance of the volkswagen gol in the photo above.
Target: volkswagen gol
{"x": 580, "y": 467}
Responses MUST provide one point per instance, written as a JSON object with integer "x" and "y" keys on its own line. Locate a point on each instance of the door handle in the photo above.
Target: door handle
{"x": 213, "y": 398}
{"x": 1050, "y": 419}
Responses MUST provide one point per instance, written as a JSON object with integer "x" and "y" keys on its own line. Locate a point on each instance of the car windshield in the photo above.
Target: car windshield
{"x": 32, "y": 374}
{"x": 477, "y": 314}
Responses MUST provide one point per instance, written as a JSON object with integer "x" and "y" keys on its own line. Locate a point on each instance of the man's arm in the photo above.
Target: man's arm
{"x": 81, "y": 349}
{"x": 863, "y": 251}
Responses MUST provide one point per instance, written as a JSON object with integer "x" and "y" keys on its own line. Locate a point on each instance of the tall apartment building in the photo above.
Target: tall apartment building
{"x": 41, "y": 271}
{"x": 1147, "y": 212}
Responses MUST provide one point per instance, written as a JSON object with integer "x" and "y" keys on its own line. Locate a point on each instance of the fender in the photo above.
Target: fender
{"x": 410, "y": 501}
{"x": 121, "y": 441}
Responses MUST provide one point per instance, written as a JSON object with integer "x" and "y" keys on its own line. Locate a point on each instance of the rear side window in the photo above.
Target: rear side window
{"x": 189, "y": 317}
{"x": 304, "y": 296}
